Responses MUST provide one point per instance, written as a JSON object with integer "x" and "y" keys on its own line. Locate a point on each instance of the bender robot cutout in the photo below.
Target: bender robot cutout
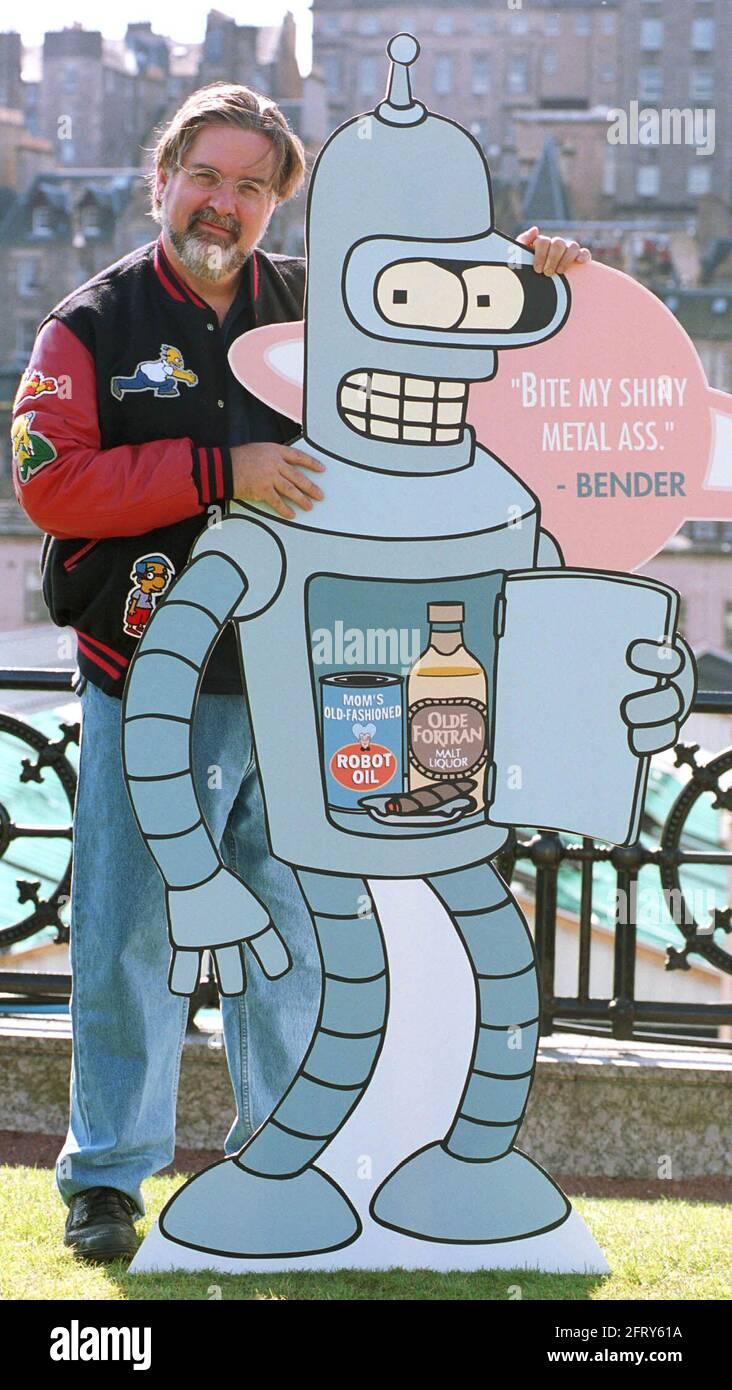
{"x": 531, "y": 694}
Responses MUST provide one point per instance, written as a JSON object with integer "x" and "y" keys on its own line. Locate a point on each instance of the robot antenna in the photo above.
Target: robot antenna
{"x": 399, "y": 108}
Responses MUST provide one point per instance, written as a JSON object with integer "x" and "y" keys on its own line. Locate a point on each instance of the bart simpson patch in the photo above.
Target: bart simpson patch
{"x": 31, "y": 449}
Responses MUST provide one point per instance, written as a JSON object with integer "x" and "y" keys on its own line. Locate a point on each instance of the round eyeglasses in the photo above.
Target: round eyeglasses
{"x": 246, "y": 189}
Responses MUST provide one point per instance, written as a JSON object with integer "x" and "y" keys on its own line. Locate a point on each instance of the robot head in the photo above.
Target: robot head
{"x": 411, "y": 291}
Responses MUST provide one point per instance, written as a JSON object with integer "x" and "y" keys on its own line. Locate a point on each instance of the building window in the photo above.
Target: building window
{"x": 702, "y": 35}
{"x": 41, "y": 224}
{"x": 517, "y": 74}
{"x": 368, "y": 76}
{"x": 444, "y": 24}
{"x": 583, "y": 25}
{"x": 481, "y": 75}
{"x": 610, "y": 171}
{"x": 728, "y": 626}
{"x": 67, "y": 151}
{"x": 34, "y": 608}
{"x": 699, "y": 177}
{"x": 608, "y": 24}
{"x": 25, "y": 336}
{"x": 701, "y": 84}
{"x": 650, "y": 84}
{"x": 607, "y": 73}
{"x": 331, "y": 24}
{"x": 651, "y": 35}
{"x": 71, "y": 79}
{"x": 705, "y": 531}
{"x": 368, "y": 25}
{"x": 483, "y": 24}
{"x": 553, "y": 25}
{"x": 89, "y": 219}
{"x": 550, "y": 62}
{"x": 28, "y": 276}
{"x": 518, "y": 24}
{"x": 442, "y": 80}
{"x": 333, "y": 72}
{"x": 648, "y": 181}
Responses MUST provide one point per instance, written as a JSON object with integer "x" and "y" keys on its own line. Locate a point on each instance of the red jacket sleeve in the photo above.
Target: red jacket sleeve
{"x": 71, "y": 487}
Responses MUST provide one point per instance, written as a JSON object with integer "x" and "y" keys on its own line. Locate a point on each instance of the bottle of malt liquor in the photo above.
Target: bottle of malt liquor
{"x": 447, "y": 706}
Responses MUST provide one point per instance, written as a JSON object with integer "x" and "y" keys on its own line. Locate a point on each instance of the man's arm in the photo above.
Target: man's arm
{"x": 79, "y": 489}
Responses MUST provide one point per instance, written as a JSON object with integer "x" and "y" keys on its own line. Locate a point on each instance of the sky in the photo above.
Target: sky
{"x": 185, "y": 22}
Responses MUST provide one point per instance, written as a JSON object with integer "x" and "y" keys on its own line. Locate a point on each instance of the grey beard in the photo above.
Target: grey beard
{"x": 202, "y": 257}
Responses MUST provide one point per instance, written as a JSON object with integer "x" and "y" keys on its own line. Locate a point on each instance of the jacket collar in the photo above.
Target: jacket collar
{"x": 177, "y": 288}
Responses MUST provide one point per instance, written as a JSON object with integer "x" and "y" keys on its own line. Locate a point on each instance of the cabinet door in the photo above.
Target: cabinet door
{"x": 561, "y": 753}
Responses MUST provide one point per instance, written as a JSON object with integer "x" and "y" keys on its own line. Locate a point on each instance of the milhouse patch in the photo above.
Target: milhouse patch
{"x": 160, "y": 375}
{"x": 151, "y": 575}
{"x": 31, "y": 449}
{"x": 35, "y": 383}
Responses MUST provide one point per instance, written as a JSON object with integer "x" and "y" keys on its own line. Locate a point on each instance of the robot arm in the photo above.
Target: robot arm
{"x": 209, "y": 908}
{"x": 654, "y": 717}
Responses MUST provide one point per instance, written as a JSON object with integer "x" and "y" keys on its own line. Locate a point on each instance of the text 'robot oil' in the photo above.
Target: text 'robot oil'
{"x": 370, "y": 630}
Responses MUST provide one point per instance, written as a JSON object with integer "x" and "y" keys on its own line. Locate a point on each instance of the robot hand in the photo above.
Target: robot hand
{"x": 221, "y": 915}
{"x": 655, "y": 716}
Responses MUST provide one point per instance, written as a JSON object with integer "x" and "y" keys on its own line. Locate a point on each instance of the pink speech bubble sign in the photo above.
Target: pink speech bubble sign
{"x": 672, "y": 451}
{"x": 620, "y": 451}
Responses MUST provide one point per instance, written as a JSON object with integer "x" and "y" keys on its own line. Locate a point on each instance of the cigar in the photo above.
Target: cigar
{"x": 428, "y": 798}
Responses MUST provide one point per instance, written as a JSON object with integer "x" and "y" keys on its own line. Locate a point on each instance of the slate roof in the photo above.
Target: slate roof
{"x": 546, "y": 198}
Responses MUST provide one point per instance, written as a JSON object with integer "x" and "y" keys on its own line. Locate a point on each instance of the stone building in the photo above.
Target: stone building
{"x": 62, "y": 230}
{"x": 480, "y": 62}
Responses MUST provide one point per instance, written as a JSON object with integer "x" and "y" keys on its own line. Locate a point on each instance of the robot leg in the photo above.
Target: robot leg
{"x": 474, "y": 1186}
{"x": 269, "y": 1200}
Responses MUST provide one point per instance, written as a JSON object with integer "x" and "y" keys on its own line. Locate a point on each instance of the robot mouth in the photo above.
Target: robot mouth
{"x": 408, "y": 409}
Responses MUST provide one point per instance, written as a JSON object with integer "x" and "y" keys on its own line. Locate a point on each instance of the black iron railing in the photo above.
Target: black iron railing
{"x": 621, "y": 1016}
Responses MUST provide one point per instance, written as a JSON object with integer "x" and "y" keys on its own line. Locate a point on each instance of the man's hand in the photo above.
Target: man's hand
{"x": 271, "y": 473}
{"x": 552, "y": 254}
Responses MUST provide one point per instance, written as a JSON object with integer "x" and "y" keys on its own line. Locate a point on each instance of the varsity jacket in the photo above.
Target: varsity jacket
{"x": 118, "y": 434}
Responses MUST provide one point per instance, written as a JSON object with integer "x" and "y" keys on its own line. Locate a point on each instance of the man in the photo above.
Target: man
{"x": 142, "y": 435}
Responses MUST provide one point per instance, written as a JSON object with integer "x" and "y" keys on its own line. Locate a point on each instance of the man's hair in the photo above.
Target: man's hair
{"x": 227, "y": 103}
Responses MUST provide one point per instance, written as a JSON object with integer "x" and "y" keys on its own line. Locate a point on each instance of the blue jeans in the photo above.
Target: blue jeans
{"x": 128, "y": 1030}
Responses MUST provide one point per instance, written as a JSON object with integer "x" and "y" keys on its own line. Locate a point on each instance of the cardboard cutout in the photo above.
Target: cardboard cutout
{"x": 422, "y": 672}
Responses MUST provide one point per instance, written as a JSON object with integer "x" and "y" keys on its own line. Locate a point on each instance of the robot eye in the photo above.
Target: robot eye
{"x": 420, "y": 294}
{"x": 495, "y": 297}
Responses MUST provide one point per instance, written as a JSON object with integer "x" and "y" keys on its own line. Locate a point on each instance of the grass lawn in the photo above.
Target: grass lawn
{"x": 660, "y": 1249}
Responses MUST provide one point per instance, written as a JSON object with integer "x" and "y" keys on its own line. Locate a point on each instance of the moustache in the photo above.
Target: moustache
{"x": 228, "y": 223}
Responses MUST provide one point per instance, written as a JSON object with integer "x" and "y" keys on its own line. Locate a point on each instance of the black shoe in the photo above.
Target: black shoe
{"x": 100, "y": 1226}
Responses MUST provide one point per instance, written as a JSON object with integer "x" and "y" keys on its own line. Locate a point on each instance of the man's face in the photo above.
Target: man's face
{"x": 215, "y": 230}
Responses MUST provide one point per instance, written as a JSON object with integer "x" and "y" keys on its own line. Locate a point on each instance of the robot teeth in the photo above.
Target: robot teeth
{"x": 384, "y": 405}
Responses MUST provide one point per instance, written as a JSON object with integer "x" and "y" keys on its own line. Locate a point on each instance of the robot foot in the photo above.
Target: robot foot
{"x": 437, "y": 1196}
{"x": 227, "y": 1210}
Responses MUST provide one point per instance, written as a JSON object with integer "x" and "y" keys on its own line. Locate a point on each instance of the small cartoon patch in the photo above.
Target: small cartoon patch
{"x": 31, "y": 449}
{"x": 151, "y": 575}
{"x": 35, "y": 383}
{"x": 161, "y": 376}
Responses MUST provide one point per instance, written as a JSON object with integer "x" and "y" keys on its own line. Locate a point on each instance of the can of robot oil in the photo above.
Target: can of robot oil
{"x": 363, "y": 736}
